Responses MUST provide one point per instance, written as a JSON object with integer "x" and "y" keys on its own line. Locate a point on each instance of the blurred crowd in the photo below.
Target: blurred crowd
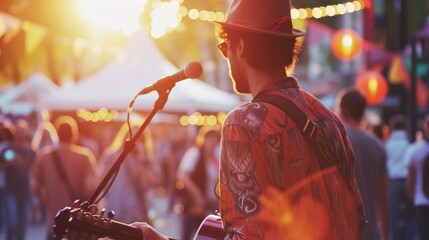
{"x": 45, "y": 167}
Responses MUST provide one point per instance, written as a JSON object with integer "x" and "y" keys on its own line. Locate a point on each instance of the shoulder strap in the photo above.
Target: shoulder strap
{"x": 63, "y": 175}
{"x": 308, "y": 128}
{"x": 425, "y": 171}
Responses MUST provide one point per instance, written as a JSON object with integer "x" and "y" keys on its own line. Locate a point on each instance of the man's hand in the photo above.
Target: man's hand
{"x": 149, "y": 233}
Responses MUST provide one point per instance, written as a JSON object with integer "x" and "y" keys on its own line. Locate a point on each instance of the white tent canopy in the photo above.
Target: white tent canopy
{"x": 140, "y": 65}
{"x": 23, "y": 98}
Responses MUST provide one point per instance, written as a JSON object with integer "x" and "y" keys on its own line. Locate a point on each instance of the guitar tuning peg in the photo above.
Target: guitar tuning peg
{"x": 76, "y": 203}
{"x": 93, "y": 208}
{"x": 84, "y": 205}
{"x": 103, "y": 211}
{"x": 111, "y": 214}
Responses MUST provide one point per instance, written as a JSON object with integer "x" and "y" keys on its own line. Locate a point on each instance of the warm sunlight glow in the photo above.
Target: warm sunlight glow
{"x": 166, "y": 16}
{"x": 117, "y": 15}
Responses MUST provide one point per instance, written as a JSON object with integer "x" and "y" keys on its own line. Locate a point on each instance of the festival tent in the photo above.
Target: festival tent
{"x": 23, "y": 98}
{"x": 140, "y": 65}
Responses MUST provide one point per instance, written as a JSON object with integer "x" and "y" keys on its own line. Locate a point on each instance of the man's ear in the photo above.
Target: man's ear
{"x": 240, "y": 46}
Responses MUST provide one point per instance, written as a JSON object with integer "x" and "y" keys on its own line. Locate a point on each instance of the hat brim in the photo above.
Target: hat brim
{"x": 294, "y": 33}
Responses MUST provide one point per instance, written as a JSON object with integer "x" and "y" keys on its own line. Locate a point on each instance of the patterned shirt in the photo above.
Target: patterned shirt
{"x": 272, "y": 186}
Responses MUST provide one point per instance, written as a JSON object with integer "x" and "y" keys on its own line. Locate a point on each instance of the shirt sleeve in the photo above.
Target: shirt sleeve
{"x": 239, "y": 188}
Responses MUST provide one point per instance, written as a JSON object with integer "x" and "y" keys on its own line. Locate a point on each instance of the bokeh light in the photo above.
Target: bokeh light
{"x": 373, "y": 86}
{"x": 116, "y": 15}
{"x": 346, "y": 44}
{"x": 199, "y": 119}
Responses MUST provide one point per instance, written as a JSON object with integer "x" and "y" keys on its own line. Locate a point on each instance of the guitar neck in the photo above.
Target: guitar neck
{"x": 115, "y": 229}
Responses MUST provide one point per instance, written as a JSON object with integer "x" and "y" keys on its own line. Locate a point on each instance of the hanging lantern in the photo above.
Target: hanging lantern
{"x": 373, "y": 86}
{"x": 346, "y": 44}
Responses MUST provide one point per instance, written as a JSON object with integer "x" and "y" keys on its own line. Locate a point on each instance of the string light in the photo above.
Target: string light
{"x": 197, "y": 119}
{"x": 178, "y": 12}
{"x": 101, "y": 115}
{"x": 327, "y": 11}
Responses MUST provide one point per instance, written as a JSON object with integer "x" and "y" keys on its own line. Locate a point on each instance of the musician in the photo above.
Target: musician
{"x": 274, "y": 182}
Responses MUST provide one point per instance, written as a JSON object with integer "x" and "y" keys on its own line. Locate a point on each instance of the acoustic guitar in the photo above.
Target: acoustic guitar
{"x": 80, "y": 224}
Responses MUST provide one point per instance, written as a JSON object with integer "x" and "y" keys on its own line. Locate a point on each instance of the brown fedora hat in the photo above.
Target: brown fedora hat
{"x": 271, "y": 17}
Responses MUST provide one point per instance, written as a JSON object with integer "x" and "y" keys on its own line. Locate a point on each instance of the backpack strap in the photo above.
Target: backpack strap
{"x": 63, "y": 174}
{"x": 308, "y": 128}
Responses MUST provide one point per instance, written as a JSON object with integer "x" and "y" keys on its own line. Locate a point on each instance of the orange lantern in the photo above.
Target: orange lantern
{"x": 373, "y": 86}
{"x": 346, "y": 44}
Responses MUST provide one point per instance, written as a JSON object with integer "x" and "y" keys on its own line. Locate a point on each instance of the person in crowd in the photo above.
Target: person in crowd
{"x": 417, "y": 155}
{"x": 381, "y": 131}
{"x": 276, "y": 181}
{"x": 17, "y": 168}
{"x": 370, "y": 169}
{"x": 89, "y": 142}
{"x": 401, "y": 209}
{"x": 64, "y": 173}
{"x": 134, "y": 179}
{"x": 45, "y": 135}
{"x": 199, "y": 171}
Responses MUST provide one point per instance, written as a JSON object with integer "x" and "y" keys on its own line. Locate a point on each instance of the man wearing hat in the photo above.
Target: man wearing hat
{"x": 281, "y": 177}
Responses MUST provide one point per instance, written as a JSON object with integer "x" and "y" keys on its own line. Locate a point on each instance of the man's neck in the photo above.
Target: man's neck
{"x": 257, "y": 79}
{"x": 352, "y": 124}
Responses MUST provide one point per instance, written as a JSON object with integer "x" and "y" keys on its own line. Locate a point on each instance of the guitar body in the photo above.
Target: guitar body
{"x": 211, "y": 229}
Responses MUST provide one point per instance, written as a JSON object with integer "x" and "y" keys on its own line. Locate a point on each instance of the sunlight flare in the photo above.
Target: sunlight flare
{"x": 116, "y": 15}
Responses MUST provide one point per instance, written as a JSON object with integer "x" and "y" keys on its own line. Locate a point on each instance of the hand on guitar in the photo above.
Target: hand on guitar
{"x": 149, "y": 232}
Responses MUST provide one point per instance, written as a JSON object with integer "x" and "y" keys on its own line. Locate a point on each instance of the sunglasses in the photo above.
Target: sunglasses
{"x": 223, "y": 48}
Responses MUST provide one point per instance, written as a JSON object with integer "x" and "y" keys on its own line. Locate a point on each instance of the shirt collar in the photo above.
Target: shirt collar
{"x": 279, "y": 83}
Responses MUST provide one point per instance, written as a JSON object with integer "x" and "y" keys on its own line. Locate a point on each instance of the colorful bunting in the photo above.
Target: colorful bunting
{"x": 398, "y": 73}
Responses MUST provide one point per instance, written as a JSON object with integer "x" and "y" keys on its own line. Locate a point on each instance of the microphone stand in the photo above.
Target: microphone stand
{"x": 130, "y": 144}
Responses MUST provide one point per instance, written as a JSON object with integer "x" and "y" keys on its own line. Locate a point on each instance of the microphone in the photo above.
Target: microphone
{"x": 192, "y": 70}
